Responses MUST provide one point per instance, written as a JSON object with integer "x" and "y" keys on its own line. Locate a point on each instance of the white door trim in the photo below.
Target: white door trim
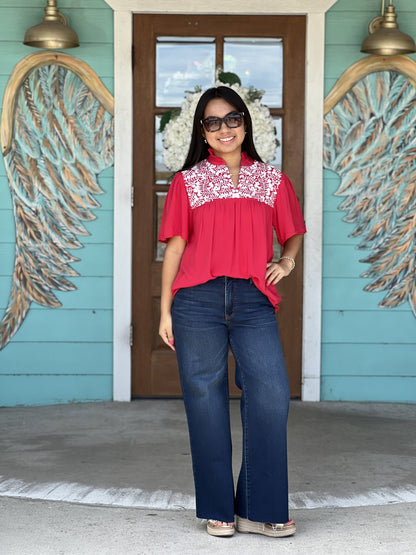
{"x": 123, "y": 168}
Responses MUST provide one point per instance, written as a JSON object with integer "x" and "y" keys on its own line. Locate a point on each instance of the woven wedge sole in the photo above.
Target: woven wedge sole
{"x": 219, "y": 530}
{"x": 246, "y": 526}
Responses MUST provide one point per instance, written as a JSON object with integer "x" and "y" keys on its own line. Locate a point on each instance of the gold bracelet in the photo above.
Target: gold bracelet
{"x": 289, "y": 258}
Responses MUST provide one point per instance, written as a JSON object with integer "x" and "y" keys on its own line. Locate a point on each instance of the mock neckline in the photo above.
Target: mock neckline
{"x": 217, "y": 161}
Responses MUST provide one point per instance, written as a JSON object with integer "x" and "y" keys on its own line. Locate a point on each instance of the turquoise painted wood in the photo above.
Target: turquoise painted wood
{"x": 336, "y": 231}
{"x": 96, "y": 261}
{"x": 92, "y": 292}
{"x": 109, "y": 172}
{"x": 7, "y": 224}
{"x": 94, "y": 25}
{"x": 331, "y": 202}
{"x": 78, "y": 359}
{"x": 7, "y": 258}
{"x": 368, "y": 353}
{"x": 99, "y": 230}
{"x": 368, "y": 359}
{"x": 62, "y": 355}
{"x": 367, "y": 5}
{"x": 98, "y": 56}
{"x": 106, "y": 200}
{"x": 342, "y": 262}
{"x": 48, "y": 389}
{"x": 339, "y": 57}
{"x": 67, "y": 4}
{"x": 328, "y": 84}
{"x": 369, "y": 326}
{"x": 344, "y": 29}
{"x": 349, "y": 294}
{"x": 396, "y": 389}
{"x": 61, "y": 325}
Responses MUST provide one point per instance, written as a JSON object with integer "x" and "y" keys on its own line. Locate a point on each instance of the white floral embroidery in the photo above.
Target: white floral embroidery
{"x": 207, "y": 182}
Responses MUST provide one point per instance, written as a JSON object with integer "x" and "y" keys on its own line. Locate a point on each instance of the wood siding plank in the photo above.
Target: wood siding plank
{"x": 48, "y": 390}
{"x": 57, "y": 358}
{"x": 371, "y": 326}
{"x": 61, "y": 325}
{"x": 92, "y": 25}
{"x": 360, "y": 6}
{"x": 369, "y": 359}
{"x": 373, "y": 389}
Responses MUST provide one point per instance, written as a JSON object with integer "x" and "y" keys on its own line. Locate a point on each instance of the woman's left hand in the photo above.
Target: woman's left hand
{"x": 276, "y": 271}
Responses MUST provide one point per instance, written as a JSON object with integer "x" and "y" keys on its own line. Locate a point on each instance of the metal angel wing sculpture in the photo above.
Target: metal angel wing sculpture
{"x": 370, "y": 142}
{"x": 57, "y": 136}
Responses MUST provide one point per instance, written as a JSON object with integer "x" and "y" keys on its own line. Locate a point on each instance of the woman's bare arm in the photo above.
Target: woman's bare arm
{"x": 171, "y": 262}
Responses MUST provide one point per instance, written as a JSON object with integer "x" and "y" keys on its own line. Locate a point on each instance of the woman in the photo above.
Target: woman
{"x": 218, "y": 225}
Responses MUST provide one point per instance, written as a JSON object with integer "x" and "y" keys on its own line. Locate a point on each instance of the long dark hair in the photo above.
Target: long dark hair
{"x": 198, "y": 149}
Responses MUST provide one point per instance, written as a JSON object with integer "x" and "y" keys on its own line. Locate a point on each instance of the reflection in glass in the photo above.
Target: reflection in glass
{"x": 159, "y": 247}
{"x": 258, "y": 62}
{"x": 277, "y": 160}
{"x": 277, "y": 249}
{"x": 162, "y": 174}
{"x": 181, "y": 64}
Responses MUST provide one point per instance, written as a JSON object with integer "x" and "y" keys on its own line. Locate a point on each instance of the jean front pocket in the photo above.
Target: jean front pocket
{"x": 199, "y": 306}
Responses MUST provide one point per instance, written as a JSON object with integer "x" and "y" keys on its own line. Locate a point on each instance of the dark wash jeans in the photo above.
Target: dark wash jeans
{"x": 207, "y": 319}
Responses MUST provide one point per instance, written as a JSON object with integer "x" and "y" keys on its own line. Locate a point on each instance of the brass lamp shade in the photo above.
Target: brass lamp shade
{"x": 53, "y": 32}
{"x": 385, "y": 38}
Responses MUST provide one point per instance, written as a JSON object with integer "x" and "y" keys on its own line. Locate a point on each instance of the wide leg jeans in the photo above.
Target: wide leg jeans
{"x": 207, "y": 320}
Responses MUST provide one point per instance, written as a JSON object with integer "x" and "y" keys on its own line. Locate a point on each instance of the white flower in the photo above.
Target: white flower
{"x": 176, "y": 136}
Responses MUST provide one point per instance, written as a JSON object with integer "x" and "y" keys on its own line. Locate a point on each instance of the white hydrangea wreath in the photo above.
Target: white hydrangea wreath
{"x": 176, "y": 134}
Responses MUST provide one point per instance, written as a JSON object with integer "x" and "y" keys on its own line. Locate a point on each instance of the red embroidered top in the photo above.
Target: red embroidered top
{"x": 229, "y": 230}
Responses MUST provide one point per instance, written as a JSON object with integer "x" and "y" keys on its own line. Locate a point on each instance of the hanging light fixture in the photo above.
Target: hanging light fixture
{"x": 53, "y": 32}
{"x": 385, "y": 38}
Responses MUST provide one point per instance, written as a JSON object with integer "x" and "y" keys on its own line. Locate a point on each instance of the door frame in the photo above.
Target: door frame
{"x": 123, "y": 173}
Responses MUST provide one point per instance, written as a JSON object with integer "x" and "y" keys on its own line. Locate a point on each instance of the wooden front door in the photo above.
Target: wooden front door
{"x": 173, "y": 54}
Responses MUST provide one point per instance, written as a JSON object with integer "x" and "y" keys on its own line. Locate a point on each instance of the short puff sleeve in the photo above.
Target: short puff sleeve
{"x": 176, "y": 213}
{"x": 287, "y": 215}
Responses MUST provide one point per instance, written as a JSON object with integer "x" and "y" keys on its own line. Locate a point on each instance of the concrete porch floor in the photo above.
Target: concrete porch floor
{"x": 114, "y": 478}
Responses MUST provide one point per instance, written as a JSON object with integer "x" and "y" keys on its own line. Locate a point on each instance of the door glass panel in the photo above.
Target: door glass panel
{"x": 277, "y": 163}
{"x": 277, "y": 249}
{"x": 258, "y": 62}
{"x": 181, "y": 64}
{"x": 159, "y": 247}
{"x": 162, "y": 174}
{"x": 277, "y": 160}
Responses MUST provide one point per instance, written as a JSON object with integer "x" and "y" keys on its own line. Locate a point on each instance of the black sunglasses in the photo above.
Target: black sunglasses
{"x": 231, "y": 120}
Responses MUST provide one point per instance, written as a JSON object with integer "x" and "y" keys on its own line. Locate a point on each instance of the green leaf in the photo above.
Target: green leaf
{"x": 167, "y": 116}
{"x": 229, "y": 78}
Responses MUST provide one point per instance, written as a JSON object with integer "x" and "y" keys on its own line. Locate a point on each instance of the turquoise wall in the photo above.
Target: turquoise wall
{"x": 368, "y": 353}
{"x": 64, "y": 354}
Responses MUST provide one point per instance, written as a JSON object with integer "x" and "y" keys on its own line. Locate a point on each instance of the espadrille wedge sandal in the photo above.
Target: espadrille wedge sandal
{"x": 218, "y": 528}
{"x": 246, "y": 526}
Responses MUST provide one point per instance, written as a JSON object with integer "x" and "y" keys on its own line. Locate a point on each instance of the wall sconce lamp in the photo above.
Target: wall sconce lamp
{"x": 385, "y": 38}
{"x": 53, "y": 32}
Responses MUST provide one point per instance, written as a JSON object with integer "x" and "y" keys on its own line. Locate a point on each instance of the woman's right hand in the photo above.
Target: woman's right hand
{"x": 165, "y": 330}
